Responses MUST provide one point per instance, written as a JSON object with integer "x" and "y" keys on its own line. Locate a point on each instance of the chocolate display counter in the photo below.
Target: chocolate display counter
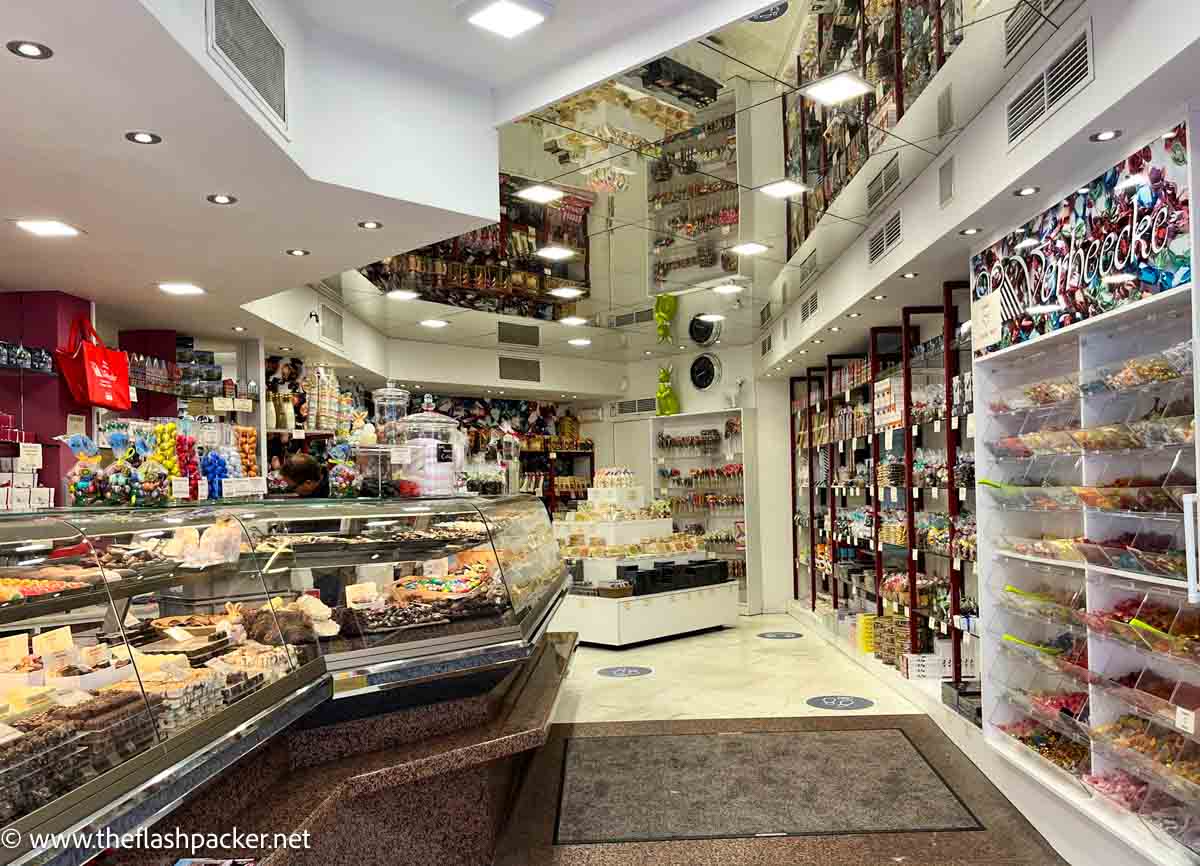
{"x": 144, "y": 651}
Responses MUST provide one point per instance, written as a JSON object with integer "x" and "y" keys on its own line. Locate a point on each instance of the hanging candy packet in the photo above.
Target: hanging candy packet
{"x": 153, "y": 487}
{"x": 120, "y": 477}
{"x": 344, "y": 482}
{"x": 85, "y": 481}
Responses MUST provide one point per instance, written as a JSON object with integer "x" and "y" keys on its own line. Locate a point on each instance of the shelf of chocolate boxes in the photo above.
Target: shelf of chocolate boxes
{"x": 80, "y": 712}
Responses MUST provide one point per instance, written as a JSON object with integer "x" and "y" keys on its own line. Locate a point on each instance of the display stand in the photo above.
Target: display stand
{"x": 623, "y": 621}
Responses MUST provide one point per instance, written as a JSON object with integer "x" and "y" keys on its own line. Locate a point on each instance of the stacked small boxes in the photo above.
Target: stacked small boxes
{"x": 866, "y": 632}
{"x": 19, "y": 491}
{"x": 891, "y": 638}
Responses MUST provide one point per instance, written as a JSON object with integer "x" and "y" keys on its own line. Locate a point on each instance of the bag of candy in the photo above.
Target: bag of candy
{"x": 120, "y": 476}
{"x": 153, "y": 488}
{"x": 85, "y": 481}
{"x": 344, "y": 482}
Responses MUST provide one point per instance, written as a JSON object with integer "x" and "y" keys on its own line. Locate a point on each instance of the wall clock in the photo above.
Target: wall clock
{"x": 705, "y": 371}
{"x": 704, "y": 333}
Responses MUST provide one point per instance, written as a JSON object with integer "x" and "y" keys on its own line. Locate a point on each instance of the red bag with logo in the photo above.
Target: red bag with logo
{"x": 96, "y": 374}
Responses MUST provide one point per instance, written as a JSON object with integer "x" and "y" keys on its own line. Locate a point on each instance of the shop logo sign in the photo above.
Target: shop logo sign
{"x": 625, "y": 671}
{"x": 1123, "y": 238}
{"x": 839, "y": 703}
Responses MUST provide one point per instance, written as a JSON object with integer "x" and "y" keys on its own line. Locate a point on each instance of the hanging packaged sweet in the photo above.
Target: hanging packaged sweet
{"x": 85, "y": 481}
{"x": 120, "y": 476}
{"x": 152, "y": 488}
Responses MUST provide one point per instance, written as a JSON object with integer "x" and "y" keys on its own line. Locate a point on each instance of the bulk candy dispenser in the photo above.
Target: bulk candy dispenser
{"x": 435, "y": 460}
{"x": 391, "y": 405}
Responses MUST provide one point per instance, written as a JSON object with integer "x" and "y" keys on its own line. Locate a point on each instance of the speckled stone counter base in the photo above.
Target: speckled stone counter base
{"x": 432, "y": 781}
{"x": 1006, "y": 838}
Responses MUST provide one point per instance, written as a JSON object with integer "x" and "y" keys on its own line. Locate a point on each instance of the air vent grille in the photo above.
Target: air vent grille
{"x": 635, "y": 407}
{"x": 883, "y": 183}
{"x": 1064, "y": 77}
{"x": 783, "y": 331}
{"x": 247, "y": 44}
{"x": 876, "y": 246}
{"x": 893, "y": 229}
{"x": 331, "y": 325}
{"x": 886, "y": 239}
{"x": 946, "y": 110}
{"x": 809, "y": 307}
{"x": 637, "y": 317}
{"x": 529, "y": 336}
{"x": 765, "y": 345}
{"x": 1019, "y": 25}
{"x": 806, "y": 271}
{"x": 764, "y": 315}
{"x": 946, "y": 182}
{"x": 520, "y": 369}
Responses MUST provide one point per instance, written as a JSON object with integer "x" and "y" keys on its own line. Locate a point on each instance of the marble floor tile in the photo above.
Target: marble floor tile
{"x": 730, "y": 673}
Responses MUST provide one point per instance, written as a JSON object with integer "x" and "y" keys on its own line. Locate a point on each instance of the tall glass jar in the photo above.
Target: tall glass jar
{"x": 391, "y": 405}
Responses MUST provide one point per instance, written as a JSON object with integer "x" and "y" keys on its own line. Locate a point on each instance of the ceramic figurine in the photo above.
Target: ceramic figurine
{"x": 667, "y": 399}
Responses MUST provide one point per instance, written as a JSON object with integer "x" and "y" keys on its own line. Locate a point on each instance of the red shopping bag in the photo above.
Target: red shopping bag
{"x": 96, "y": 374}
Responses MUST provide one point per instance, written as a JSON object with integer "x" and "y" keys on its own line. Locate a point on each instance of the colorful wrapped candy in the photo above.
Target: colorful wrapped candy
{"x": 120, "y": 475}
{"x": 153, "y": 479}
{"x": 344, "y": 482}
{"x": 85, "y": 481}
{"x": 214, "y": 468}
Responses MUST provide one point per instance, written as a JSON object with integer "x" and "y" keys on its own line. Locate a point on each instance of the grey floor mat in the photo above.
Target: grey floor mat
{"x": 703, "y": 786}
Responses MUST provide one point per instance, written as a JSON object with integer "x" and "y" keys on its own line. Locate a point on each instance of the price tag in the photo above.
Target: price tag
{"x": 179, "y": 634}
{"x": 662, "y": 461}
{"x": 937, "y": 426}
{"x": 907, "y": 610}
{"x": 870, "y": 438}
{"x": 243, "y": 404}
{"x": 222, "y": 404}
{"x": 132, "y": 394}
{"x": 259, "y": 485}
{"x": 181, "y": 488}
{"x": 437, "y": 567}
{"x": 914, "y": 555}
{"x": 916, "y": 429}
{"x": 847, "y": 395}
{"x": 400, "y": 454}
{"x": 954, "y": 423}
{"x": 14, "y": 647}
{"x": 887, "y": 438}
{"x": 54, "y": 641}
{"x": 945, "y": 627}
{"x": 841, "y": 446}
{"x": 957, "y": 564}
{"x": 361, "y": 593}
{"x": 297, "y": 434}
{"x": 76, "y": 425}
{"x": 916, "y": 493}
{"x": 202, "y": 489}
{"x": 971, "y": 425}
{"x": 1185, "y": 720}
{"x": 29, "y": 458}
{"x": 933, "y": 493}
{"x": 962, "y": 494}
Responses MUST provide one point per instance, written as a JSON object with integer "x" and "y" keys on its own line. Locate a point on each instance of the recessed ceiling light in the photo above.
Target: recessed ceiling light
{"x": 1026, "y": 191}
{"x": 749, "y": 248}
{"x": 180, "y": 289}
{"x": 778, "y": 368}
{"x": 727, "y": 289}
{"x": 580, "y": 341}
{"x": 1116, "y": 279}
{"x": 1105, "y": 135}
{"x": 573, "y": 321}
{"x": 370, "y": 224}
{"x": 1083, "y": 190}
{"x": 351, "y": 376}
{"x": 505, "y": 17}
{"x": 682, "y": 347}
{"x": 802, "y": 352}
{"x": 711, "y": 317}
{"x": 1028, "y": 243}
{"x": 27, "y": 50}
{"x": 297, "y": 252}
{"x": 434, "y": 323}
{"x": 140, "y": 136}
{"x": 909, "y": 275}
{"x": 783, "y": 188}
{"x": 966, "y": 233}
{"x": 818, "y": 341}
{"x": 718, "y": 342}
{"x": 240, "y": 329}
{"x": 837, "y": 88}
{"x": 853, "y": 315}
{"x": 648, "y": 352}
{"x": 221, "y": 198}
{"x": 48, "y": 228}
{"x": 285, "y": 349}
{"x": 566, "y": 292}
{"x": 402, "y": 295}
{"x": 574, "y": 396}
{"x": 555, "y": 253}
{"x": 834, "y": 329}
{"x": 878, "y": 297}
{"x": 540, "y": 193}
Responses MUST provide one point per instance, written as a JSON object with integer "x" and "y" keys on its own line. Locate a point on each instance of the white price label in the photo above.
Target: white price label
{"x": 916, "y": 428}
{"x": 662, "y": 461}
{"x": 132, "y": 394}
{"x": 907, "y": 610}
{"x": 181, "y": 488}
{"x": 957, "y": 563}
{"x": 914, "y": 555}
{"x": 937, "y": 426}
{"x": 29, "y": 459}
{"x": 258, "y": 485}
{"x": 401, "y": 454}
{"x": 945, "y": 628}
{"x": 887, "y": 438}
{"x": 933, "y": 492}
{"x": 297, "y": 434}
{"x": 76, "y": 425}
{"x": 847, "y": 395}
{"x": 962, "y": 494}
{"x": 1185, "y": 720}
{"x": 243, "y": 404}
{"x": 202, "y": 489}
{"x": 854, "y": 443}
{"x": 971, "y": 425}
{"x": 437, "y": 567}
{"x": 879, "y": 545}
{"x": 954, "y": 423}
{"x": 841, "y": 446}
{"x": 222, "y": 404}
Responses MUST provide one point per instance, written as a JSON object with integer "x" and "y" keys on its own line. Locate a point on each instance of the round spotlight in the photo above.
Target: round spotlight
{"x": 180, "y": 289}
{"x": 239, "y": 329}
{"x": 818, "y": 341}
{"x": 1105, "y": 135}
{"x": 140, "y": 136}
{"x": 711, "y": 317}
{"x": 1027, "y": 191}
{"x": 221, "y": 198}
{"x": 835, "y": 329}
{"x": 402, "y": 295}
{"x": 27, "y": 50}
{"x": 286, "y": 349}
{"x": 878, "y": 297}
{"x": 566, "y": 292}
{"x": 727, "y": 289}
{"x": 370, "y": 224}
{"x": 573, "y": 321}
{"x": 853, "y": 315}
{"x": 297, "y": 252}
{"x": 967, "y": 233}
{"x": 648, "y": 352}
{"x": 580, "y": 341}
{"x": 434, "y": 323}
{"x": 909, "y": 275}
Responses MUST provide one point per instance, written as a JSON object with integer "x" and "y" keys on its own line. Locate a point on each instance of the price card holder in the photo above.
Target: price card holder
{"x": 916, "y": 429}
{"x": 14, "y": 647}
{"x": 957, "y": 564}
{"x": 132, "y": 394}
{"x": 29, "y": 458}
{"x": 400, "y": 455}
{"x": 944, "y": 627}
{"x": 971, "y": 425}
{"x": 361, "y": 593}
{"x": 662, "y": 461}
{"x": 259, "y": 485}
{"x": 243, "y": 404}
{"x": 222, "y": 404}
{"x": 179, "y": 634}
{"x": 915, "y": 554}
{"x": 297, "y": 433}
{"x": 437, "y": 567}
{"x": 907, "y": 610}
{"x": 181, "y": 488}
{"x": 841, "y": 446}
{"x": 887, "y": 438}
{"x": 962, "y": 494}
{"x": 847, "y": 395}
{"x": 954, "y": 423}
{"x": 202, "y": 489}
{"x": 933, "y": 493}
{"x": 54, "y": 641}
{"x": 1185, "y": 720}
{"x": 937, "y": 426}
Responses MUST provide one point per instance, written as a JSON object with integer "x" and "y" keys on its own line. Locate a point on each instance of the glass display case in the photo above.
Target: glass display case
{"x": 133, "y": 642}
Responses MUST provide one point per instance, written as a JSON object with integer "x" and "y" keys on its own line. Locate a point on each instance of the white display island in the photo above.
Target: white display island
{"x": 624, "y": 621}
{"x": 614, "y": 531}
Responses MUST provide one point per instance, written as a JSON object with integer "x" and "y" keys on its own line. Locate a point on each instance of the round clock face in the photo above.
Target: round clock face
{"x": 704, "y": 333}
{"x": 705, "y": 371}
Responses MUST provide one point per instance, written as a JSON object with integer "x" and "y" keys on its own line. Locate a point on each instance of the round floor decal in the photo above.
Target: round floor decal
{"x": 839, "y": 702}
{"x": 624, "y": 671}
{"x": 779, "y": 635}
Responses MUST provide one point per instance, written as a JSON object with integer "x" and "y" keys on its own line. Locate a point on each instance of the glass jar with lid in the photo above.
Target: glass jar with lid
{"x": 391, "y": 405}
{"x": 435, "y": 458}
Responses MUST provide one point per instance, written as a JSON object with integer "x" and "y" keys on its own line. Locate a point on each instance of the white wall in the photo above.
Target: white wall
{"x": 774, "y": 499}
{"x": 288, "y": 310}
{"x": 737, "y": 362}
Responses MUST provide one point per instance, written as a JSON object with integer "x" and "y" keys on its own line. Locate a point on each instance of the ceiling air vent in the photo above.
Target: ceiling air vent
{"x": 242, "y": 43}
{"x": 876, "y": 246}
{"x": 510, "y": 334}
{"x": 331, "y": 325}
{"x": 520, "y": 369}
{"x": 1064, "y": 77}
{"x": 1019, "y": 25}
{"x": 639, "y": 406}
{"x": 893, "y": 229}
{"x": 886, "y": 239}
{"x": 764, "y": 315}
{"x": 946, "y": 182}
{"x": 883, "y": 183}
{"x": 946, "y": 110}
{"x": 808, "y": 307}
{"x": 765, "y": 345}
{"x": 637, "y": 317}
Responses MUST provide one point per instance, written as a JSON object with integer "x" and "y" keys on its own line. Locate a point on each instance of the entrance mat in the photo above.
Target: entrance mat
{"x": 751, "y": 785}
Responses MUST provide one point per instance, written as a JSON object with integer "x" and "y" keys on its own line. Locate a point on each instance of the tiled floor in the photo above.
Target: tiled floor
{"x": 730, "y": 673}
